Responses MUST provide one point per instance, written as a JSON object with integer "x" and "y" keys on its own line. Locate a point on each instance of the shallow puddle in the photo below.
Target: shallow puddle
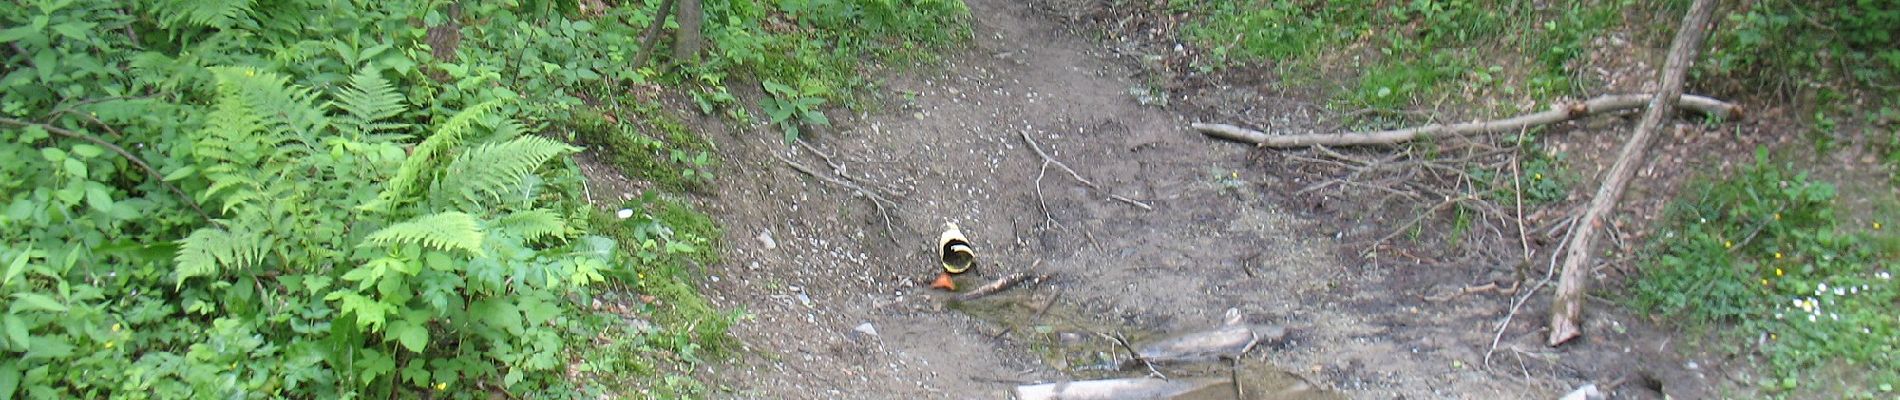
{"x": 1086, "y": 349}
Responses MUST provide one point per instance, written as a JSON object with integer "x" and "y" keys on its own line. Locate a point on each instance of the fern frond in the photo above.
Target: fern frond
{"x": 532, "y": 224}
{"x": 366, "y": 102}
{"x": 209, "y": 250}
{"x": 495, "y": 168}
{"x": 445, "y": 231}
{"x": 259, "y": 126}
{"x": 424, "y": 158}
{"x": 219, "y": 14}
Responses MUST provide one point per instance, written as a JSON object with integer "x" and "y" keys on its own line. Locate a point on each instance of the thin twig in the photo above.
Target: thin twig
{"x": 153, "y": 172}
{"x": 1048, "y": 160}
{"x": 876, "y": 200}
{"x": 1549, "y": 273}
{"x": 839, "y": 169}
{"x": 1135, "y": 354}
{"x": 1002, "y": 284}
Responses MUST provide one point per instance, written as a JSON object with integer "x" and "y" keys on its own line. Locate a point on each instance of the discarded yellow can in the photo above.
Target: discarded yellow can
{"x": 956, "y": 255}
{"x": 954, "y": 250}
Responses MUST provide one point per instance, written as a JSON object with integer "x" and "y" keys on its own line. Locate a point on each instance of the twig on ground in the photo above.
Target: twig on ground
{"x": 1048, "y": 160}
{"x": 1001, "y": 284}
{"x": 876, "y": 199}
{"x": 840, "y": 169}
{"x": 1135, "y": 354}
{"x": 1417, "y": 219}
{"x": 1549, "y": 274}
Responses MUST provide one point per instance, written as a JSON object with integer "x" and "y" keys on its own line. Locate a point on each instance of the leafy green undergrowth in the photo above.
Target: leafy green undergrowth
{"x": 653, "y": 147}
{"x": 1416, "y": 53}
{"x": 1763, "y": 250}
{"x": 259, "y": 199}
{"x": 1791, "y": 47}
{"x": 649, "y": 337}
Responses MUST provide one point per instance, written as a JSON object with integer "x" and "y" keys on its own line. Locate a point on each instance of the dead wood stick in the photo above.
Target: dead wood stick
{"x": 1001, "y": 284}
{"x": 1567, "y": 305}
{"x": 1048, "y": 160}
{"x": 876, "y": 199}
{"x": 1598, "y": 105}
{"x": 840, "y": 169}
{"x": 116, "y": 149}
{"x": 1136, "y": 355}
{"x": 651, "y": 38}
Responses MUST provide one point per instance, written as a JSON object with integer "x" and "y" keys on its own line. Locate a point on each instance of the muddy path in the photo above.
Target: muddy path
{"x": 841, "y": 310}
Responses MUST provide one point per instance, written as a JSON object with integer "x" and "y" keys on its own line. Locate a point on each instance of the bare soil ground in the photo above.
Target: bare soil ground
{"x": 812, "y": 263}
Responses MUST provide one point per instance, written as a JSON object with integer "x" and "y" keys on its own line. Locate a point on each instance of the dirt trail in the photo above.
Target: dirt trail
{"x": 1215, "y": 240}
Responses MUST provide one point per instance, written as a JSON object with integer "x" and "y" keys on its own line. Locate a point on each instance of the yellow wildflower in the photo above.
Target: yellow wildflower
{"x": 441, "y": 386}
{"x": 1876, "y": 226}
{"x": 1777, "y": 271}
{"x": 1764, "y": 281}
{"x": 115, "y": 328}
{"x": 1777, "y": 216}
{"x": 1777, "y": 254}
{"x": 108, "y": 344}
{"x": 1728, "y": 244}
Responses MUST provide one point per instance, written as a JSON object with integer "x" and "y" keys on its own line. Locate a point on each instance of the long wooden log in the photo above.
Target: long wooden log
{"x": 1567, "y": 305}
{"x": 1566, "y": 112}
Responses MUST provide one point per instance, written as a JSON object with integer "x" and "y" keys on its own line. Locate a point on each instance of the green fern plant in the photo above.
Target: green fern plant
{"x": 459, "y": 233}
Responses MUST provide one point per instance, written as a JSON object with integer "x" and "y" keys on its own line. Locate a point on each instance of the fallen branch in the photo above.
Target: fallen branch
{"x": 876, "y": 200}
{"x": 1567, "y": 306}
{"x": 1002, "y": 284}
{"x": 651, "y": 38}
{"x": 134, "y": 159}
{"x": 1598, "y": 105}
{"x": 1048, "y": 160}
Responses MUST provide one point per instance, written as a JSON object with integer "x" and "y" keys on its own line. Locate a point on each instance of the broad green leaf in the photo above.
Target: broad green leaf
{"x": 77, "y": 30}
{"x": 76, "y": 167}
{"x": 180, "y": 173}
{"x": 411, "y": 335}
{"x": 22, "y": 32}
{"x": 35, "y": 302}
{"x": 16, "y": 267}
{"x": 539, "y": 312}
{"x": 84, "y": 150}
{"x": 53, "y": 154}
{"x": 9, "y": 378}
{"x": 500, "y": 314}
{"x": 374, "y": 364}
{"x": 15, "y": 331}
{"x": 99, "y": 198}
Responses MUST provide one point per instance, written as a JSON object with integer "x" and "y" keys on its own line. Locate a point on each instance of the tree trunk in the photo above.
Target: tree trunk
{"x": 686, "y": 42}
{"x": 1567, "y": 306}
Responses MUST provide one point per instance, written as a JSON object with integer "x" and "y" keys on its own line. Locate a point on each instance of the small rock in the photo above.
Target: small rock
{"x": 765, "y": 239}
{"x": 805, "y": 300}
{"x": 866, "y": 328}
{"x": 1586, "y": 392}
